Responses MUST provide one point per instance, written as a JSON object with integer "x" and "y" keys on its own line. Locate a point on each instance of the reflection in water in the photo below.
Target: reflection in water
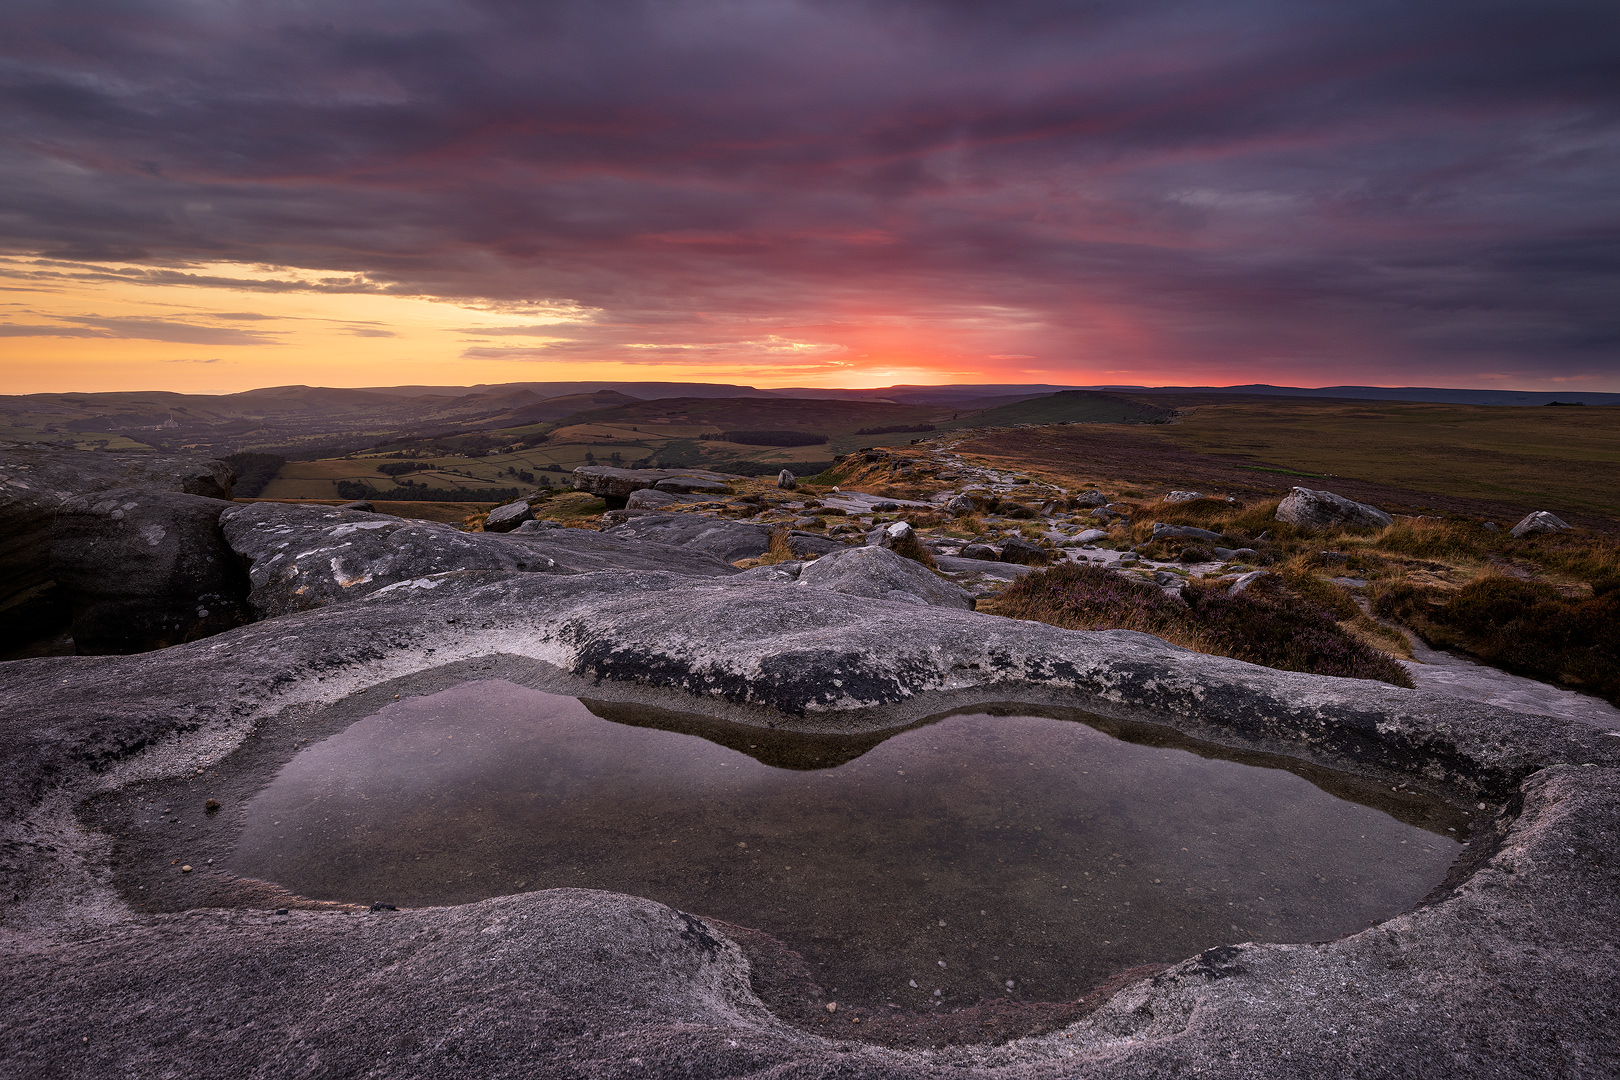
{"x": 965, "y": 856}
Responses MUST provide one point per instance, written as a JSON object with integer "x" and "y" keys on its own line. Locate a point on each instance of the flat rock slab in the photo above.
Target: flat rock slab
{"x": 1509, "y": 970}
{"x": 725, "y": 540}
{"x": 880, "y": 574}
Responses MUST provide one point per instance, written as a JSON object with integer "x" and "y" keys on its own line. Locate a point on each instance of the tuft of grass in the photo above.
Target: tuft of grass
{"x": 912, "y": 549}
{"x": 1428, "y": 539}
{"x": 1527, "y": 627}
{"x": 1266, "y": 624}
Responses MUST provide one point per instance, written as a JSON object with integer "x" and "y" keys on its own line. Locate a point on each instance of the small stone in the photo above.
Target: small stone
{"x": 281, "y": 911}
{"x": 211, "y": 806}
{"x": 186, "y": 869}
{"x": 832, "y": 1006}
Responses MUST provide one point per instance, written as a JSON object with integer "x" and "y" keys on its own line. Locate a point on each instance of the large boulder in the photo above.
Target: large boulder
{"x": 1539, "y": 521}
{"x": 1309, "y": 509}
{"x": 650, "y": 499}
{"x": 34, "y": 481}
{"x": 1015, "y": 549}
{"x": 145, "y": 569}
{"x": 508, "y": 517}
{"x": 727, "y": 541}
{"x": 787, "y": 481}
{"x": 615, "y": 484}
{"x": 882, "y": 575}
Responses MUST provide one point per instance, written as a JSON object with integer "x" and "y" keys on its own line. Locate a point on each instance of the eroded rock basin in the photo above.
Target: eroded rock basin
{"x": 971, "y": 857}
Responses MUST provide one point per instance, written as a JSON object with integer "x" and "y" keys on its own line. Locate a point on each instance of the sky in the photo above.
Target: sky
{"x": 213, "y": 195}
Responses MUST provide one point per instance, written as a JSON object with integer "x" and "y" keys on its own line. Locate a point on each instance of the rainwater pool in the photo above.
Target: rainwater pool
{"x": 971, "y": 857}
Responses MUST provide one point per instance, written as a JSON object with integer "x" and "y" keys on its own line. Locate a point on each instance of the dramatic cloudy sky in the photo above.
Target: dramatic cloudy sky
{"x": 207, "y": 194}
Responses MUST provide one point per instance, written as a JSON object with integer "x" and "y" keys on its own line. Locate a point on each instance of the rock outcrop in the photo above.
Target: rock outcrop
{"x": 882, "y": 575}
{"x": 1161, "y": 531}
{"x": 145, "y": 569}
{"x": 34, "y": 481}
{"x": 615, "y": 484}
{"x": 1309, "y": 509}
{"x": 727, "y": 541}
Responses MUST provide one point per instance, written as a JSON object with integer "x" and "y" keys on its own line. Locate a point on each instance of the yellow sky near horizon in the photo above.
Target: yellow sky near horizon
{"x": 222, "y": 328}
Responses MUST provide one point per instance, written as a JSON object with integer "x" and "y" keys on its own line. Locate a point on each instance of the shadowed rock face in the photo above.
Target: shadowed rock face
{"x": 145, "y": 569}
{"x": 1511, "y": 963}
{"x": 35, "y": 481}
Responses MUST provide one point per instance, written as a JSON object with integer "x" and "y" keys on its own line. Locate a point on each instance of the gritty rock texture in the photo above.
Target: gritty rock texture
{"x": 1161, "y": 531}
{"x": 508, "y": 517}
{"x": 1318, "y": 509}
{"x": 615, "y": 485}
{"x": 1540, "y": 521}
{"x": 35, "y": 480}
{"x": 725, "y": 540}
{"x": 882, "y": 575}
{"x": 1510, "y": 970}
{"x": 144, "y": 569}
{"x": 303, "y": 557}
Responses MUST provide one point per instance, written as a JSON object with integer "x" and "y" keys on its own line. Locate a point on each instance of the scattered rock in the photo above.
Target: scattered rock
{"x": 1183, "y": 496}
{"x": 980, "y": 551}
{"x": 1491, "y": 526}
{"x": 1128, "y": 558}
{"x": 1091, "y": 536}
{"x": 145, "y": 569}
{"x": 1241, "y": 583}
{"x": 882, "y": 575}
{"x": 1161, "y": 531}
{"x": 615, "y": 485}
{"x": 1016, "y": 549}
{"x": 1092, "y": 498}
{"x": 960, "y": 506}
{"x": 787, "y": 481}
{"x": 885, "y": 507}
{"x": 508, "y": 517}
{"x": 887, "y": 536}
{"x": 1309, "y": 509}
{"x": 1539, "y": 521}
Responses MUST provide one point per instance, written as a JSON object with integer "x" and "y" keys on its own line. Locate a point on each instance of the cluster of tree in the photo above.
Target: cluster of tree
{"x": 400, "y": 468}
{"x": 773, "y": 438}
{"x": 523, "y": 474}
{"x": 889, "y": 429}
{"x": 355, "y": 490}
{"x": 253, "y": 472}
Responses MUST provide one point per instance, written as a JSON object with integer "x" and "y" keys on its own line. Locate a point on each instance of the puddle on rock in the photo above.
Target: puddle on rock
{"x": 973, "y": 857}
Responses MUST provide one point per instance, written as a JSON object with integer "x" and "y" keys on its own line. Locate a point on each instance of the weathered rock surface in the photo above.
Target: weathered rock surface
{"x": 1091, "y": 536}
{"x": 34, "y": 481}
{"x": 615, "y": 485}
{"x": 806, "y": 544}
{"x": 882, "y": 575}
{"x": 887, "y": 536}
{"x": 650, "y": 499}
{"x": 1161, "y": 531}
{"x": 727, "y": 541}
{"x": 508, "y": 517}
{"x": 1506, "y": 971}
{"x": 1540, "y": 521}
{"x": 303, "y": 557}
{"x": 980, "y": 551}
{"x": 1183, "y": 496}
{"x": 145, "y": 569}
{"x": 691, "y": 485}
{"x": 1090, "y": 499}
{"x": 959, "y": 506}
{"x": 787, "y": 481}
{"x": 1309, "y": 509}
{"x": 1015, "y": 549}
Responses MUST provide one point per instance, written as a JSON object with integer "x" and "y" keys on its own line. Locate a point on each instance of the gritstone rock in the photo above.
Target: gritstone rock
{"x": 982, "y": 552}
{"x": 1161, "y": 531}
{"x": 145, "y": 569}
{"x": 959, "y": 506}
{"x": 650, "y": 499}
{"x": 695, "y": 485}
{"x": 886, "y": 536}
{"x": 805, "y": 544}
{"x": 787, "y": 481}
{"x": 34, "y": 481}
{"x": 1092, "y": 498}
{"x": 508, "y": 517}
{"x": 727, "y": 541}
{"x": 615, "y": 484}
{"x": 1182, "y": 496}
{"x": 1321, "y": 509}
{"x": 1539, "y": 521}
{"x": 1015, "y": 549}
{"x": 1090, "y": 536}
{"x": 882, "y": 575}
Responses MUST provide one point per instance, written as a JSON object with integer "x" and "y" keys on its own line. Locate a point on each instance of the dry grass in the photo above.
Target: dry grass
{"x": 1266, "y": 624}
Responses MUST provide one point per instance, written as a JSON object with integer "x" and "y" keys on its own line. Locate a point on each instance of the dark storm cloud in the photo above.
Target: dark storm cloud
{"x": 1347, "y": 191}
